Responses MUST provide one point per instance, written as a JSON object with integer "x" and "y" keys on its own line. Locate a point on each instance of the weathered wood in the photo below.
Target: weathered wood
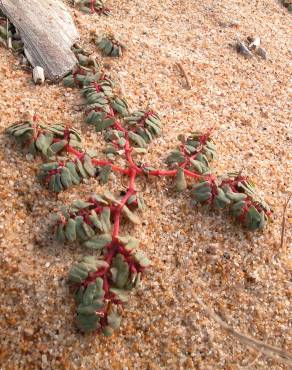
{"x": 47, "y": 31}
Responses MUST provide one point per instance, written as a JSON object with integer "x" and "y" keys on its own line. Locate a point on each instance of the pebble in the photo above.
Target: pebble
{"x": 28, "y": 332}
{"x": 29, "y": 157}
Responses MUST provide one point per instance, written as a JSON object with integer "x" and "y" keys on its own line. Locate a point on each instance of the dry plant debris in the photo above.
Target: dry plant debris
{"x": 9, "y": 37}
{"x": 263, "y": 348}
{"x": 184, "y": 74}
{"x": 252, "y": 45}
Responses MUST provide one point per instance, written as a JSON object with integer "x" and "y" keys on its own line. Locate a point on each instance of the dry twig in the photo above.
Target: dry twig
{"x": 266, "y": 349}
{"x": 183, "y": 72}
{"x": 284, "y": 221}
{"x": 251, "y": 363}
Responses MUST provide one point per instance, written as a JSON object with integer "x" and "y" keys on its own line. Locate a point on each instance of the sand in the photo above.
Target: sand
{"x": 242, "y": 276}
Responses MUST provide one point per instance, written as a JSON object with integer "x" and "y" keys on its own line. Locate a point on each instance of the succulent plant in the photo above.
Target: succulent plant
{"x": 103, "y": 282}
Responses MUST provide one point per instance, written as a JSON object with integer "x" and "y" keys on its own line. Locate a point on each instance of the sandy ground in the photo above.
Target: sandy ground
{"x": 244, "y": 277}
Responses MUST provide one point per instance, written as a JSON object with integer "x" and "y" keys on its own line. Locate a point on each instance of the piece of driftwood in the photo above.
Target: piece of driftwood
{"x": 47, "y": 31}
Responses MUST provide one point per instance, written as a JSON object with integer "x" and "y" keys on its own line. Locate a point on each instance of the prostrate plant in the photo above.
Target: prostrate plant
{"x": 102, "y": 282}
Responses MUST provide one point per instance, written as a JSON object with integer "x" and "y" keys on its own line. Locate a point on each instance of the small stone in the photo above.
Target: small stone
{"x": 254, "y": 42}
{"x": 261, "y": 52}
{"x": 44, "y": 359}
{"x": 38, "y": 75}
{"x": 211, "y": 249}
{"x": 243, "y": 49}
{"x": 107, "y": 66}
{"x": 29, "y": 247}
{"x": 28, "y": 332}
{"x": 29, "y": 157}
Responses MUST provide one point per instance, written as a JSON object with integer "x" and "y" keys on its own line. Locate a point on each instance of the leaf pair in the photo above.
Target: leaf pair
{"x": 47, "y": 140}
{"x": 109, "y": 46}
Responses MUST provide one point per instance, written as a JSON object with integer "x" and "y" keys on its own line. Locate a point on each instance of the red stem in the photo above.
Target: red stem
{"x": 92, "y": 6}
{"x": 74, "y": 151}
{"x": 174, "y": 172}
{"x": 128, "y": 151}
{"x": 119, "y": 127}
{"x": 124, "y": 171}
{"x": 97, "y": 162}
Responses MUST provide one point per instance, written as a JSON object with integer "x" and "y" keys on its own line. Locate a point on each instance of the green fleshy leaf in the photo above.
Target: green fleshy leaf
{"x": 88, "y": 165}
{"x": 56, "y": 148}
{"x": 180, "y": 181}
{"x": 105, "y": 219}
{"x": 60, "y": 235}
{"x": 114, "y": 319}
{"x": 141, "y": 259}
{"x": 88, "y": 323}
{"x": 66, "y": 178}
{"x": 104, "y": 174}
{"x": 129, "y": 242}
{"x": 130, "y": 215}
{"x": 80, "y": 204}
{"x": 122, "y": 267}
{"x": 175, "y": 157}
{"x": 98, "y": 242}
{"x": 120, "y": 294}
{"x": 70, "y": 230}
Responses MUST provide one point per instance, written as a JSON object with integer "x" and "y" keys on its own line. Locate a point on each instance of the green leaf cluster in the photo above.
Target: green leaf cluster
{"x": 46, "y": 140}
{"x": 109, "y": 46}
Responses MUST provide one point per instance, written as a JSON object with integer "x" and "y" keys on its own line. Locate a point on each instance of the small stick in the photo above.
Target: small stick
{"x": 9, "y": 41}
{"x": 183, "y": 72}
{"x": 284, "y": 221}
{"x": 269, "y": 351}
